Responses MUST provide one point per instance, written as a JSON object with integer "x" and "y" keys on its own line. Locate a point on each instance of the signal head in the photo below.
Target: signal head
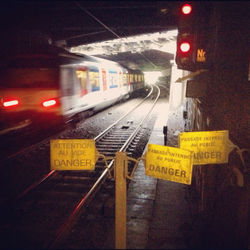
{"x": 185, "y": 47}
{"x": 186, "y": 9}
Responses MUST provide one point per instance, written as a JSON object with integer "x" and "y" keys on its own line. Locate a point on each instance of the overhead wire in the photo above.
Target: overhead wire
{"x": 82, "y": 35}
{"x": 110, "y": 30}
{"x": 105, "y": 26}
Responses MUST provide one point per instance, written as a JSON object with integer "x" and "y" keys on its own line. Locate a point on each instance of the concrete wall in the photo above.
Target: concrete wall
{"x": 223, "y": 189}
{"x": 177, "y": 89}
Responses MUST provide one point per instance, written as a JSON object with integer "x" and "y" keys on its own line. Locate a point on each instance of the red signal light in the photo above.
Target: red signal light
{"x": 186, "y": 9}
{"x": 185, "y": 47}
{"x": 49, "y": 103}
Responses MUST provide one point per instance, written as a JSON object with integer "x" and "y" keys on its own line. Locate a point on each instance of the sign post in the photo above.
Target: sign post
{"x": 121, "y": 172}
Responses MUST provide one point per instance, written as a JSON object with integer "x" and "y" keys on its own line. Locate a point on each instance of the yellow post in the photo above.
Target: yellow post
{"x": 121, "y": 169}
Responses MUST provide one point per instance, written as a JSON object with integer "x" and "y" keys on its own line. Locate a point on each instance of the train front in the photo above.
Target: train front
{"x": 29, "y": 93}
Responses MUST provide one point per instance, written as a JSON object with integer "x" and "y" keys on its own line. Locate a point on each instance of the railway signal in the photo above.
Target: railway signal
{"x": 185, "y": 38}
{"x": 191, "y": 53}
{"x": 186, "y": 9}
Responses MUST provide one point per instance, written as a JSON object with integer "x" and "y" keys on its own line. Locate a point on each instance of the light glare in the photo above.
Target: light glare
{"x": 151, "y": 77}
{"x": 49, "y": 103}
{"x": 10, "y": 103}
{"x": 186, "y": 9}
{"x": 185, "y": 47}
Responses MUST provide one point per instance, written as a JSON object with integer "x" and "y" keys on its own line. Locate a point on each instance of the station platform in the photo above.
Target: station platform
{"x": 159, "y": 213}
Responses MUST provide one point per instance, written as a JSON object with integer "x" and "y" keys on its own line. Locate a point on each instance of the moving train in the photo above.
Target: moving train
{"x": 47, "y": 87}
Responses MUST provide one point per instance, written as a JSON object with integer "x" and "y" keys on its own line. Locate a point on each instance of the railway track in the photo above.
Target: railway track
{"x": 42, "y": 215}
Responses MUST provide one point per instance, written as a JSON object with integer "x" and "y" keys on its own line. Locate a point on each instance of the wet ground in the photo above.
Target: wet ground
{"x": 159, "y": 212}
{"x": 165, "y": 215}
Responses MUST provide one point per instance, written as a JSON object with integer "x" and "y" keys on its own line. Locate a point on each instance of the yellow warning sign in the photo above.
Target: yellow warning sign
{"x": 169, "y": 163}
{"x": 209, "y": 147}
{"x": 76, "y": 154}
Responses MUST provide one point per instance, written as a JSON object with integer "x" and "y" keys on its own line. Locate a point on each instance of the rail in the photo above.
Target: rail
{"x": 96, "y": 179}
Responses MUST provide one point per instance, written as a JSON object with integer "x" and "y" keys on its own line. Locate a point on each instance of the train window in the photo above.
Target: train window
{"x": 113, "y": 79}
{"x": 67, "y": 82}
{"x": 28, "y": 78}
{"x": 82, "y": 76}
{"x": 94, "y": 79}
{"x": 131, "y": 77}
{"x": 124, "y": 79}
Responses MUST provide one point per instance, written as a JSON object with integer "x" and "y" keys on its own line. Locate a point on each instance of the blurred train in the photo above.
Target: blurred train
{"x": 46, "y": 88}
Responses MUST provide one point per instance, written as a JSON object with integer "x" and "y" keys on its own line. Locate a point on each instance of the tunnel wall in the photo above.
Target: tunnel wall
{"x": 223, "y": 189}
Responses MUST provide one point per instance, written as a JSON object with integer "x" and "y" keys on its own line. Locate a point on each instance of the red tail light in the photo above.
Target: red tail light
{"x": 49, "y": 103}
{"x": 10, "y": 103}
